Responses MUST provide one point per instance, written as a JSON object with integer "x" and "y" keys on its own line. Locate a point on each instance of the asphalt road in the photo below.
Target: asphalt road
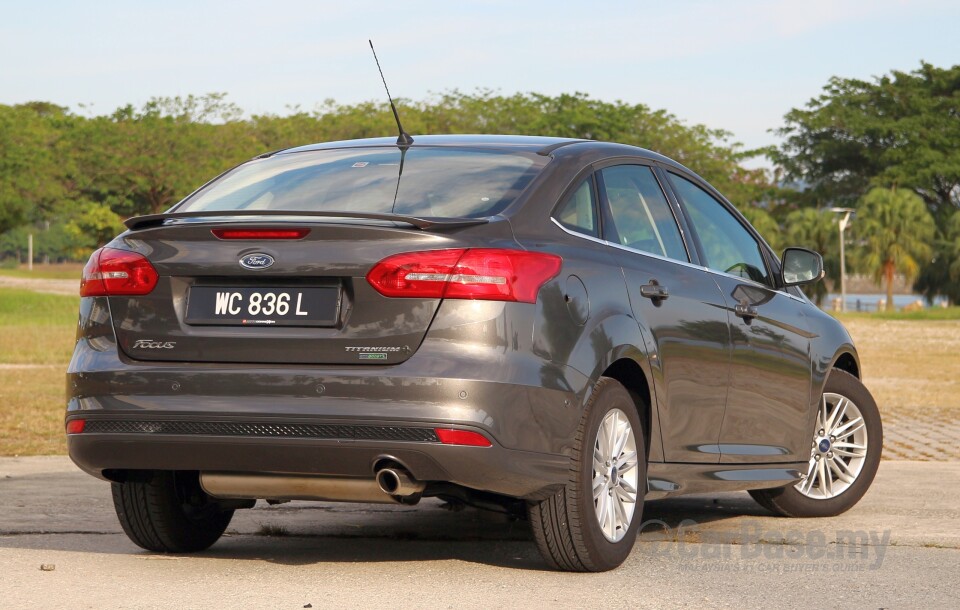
{"x": 900, "y": 547}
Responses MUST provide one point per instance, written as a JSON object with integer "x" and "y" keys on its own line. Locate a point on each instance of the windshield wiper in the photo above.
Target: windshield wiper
{"x": 423, "y": 223}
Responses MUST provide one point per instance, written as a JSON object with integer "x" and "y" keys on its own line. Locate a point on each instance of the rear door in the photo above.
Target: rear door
{"x": 769, "y": 399}
{"x": 677, "y": 304}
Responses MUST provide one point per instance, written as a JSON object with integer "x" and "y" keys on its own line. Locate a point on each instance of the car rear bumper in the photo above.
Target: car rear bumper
{"x": 494, "y": 469}
{"x": 325, "y": 421}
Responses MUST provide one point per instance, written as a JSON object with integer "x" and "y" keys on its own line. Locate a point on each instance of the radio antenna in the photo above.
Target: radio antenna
{"x": 404, "y": 139}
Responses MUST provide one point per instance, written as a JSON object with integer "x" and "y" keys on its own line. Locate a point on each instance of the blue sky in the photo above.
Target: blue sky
{"x": 737, "y": 65}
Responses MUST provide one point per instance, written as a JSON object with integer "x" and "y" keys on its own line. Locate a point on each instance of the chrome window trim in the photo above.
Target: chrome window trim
{"x": 604, "y": 242}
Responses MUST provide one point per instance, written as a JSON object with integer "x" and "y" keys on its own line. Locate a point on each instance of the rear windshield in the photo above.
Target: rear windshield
{"x": 436, "y": 182}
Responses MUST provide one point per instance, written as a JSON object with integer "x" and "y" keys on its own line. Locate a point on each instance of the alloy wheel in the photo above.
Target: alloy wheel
{"x": 838, "y": 451}
{"x": 615, "y": 475}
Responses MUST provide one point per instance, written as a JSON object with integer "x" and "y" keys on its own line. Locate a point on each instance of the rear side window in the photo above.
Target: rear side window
{"x": 727, "y": 244}
{"x": 579, "y": 212}
{"x": 641, "y": 216}
{"x": 442, "y": 182}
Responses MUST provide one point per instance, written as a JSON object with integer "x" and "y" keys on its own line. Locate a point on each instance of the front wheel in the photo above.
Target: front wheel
{"x": 844, "y": 454}
{"x": 169, "y": 513}
{"x": 591, "y": 525}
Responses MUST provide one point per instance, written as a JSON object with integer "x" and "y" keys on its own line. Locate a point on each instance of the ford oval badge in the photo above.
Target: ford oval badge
{"x": 257, "y": 260}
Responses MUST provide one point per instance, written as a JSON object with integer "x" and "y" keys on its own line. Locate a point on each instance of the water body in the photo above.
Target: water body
{"x": 869, "y": 302}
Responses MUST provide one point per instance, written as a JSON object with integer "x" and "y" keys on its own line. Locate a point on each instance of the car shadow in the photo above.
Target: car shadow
{"x": 303, "y": 533}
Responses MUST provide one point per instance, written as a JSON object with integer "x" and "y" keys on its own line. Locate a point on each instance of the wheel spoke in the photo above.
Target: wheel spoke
{"x": 826, "y": 483}
{"x": 623, "y": 435}
{"x": 620, "y": 513}
{"x": 626, "y": 492}
{"x": 627, "y": 462}
{"x": 837, "y": 416}
{"x": 601, "y": 505}
{"x": 611, "y": 516}
{"x": 835, "y": 466}
{"x": 847, "y": 453}
{"x": 845, "y": 468}
{"x": 612, "y": 435}
{"x": 599, "y": 486}
{"x": 811, "y": 476}
{"x": 851, "y": 427}
{"x": 851, "y": 446}
{"x": 822, "y": 414}
{"x": 599, "y": 468}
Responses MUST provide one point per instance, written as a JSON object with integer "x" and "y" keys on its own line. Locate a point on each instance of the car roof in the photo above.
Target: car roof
{"x": 530, "y": 143}
{"x": 585, "y": 151}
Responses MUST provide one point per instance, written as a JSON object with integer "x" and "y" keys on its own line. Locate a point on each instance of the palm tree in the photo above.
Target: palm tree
{"x": 817, "y": 230}
{"x": 896, "y": 230}
{"x": 764, "y": 223}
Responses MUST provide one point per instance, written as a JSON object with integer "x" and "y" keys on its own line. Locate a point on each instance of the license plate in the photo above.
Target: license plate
{"x": 260, "y": 306}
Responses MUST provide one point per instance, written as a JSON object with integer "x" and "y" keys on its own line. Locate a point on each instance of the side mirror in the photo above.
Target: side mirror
{"x": 801, "y": 266}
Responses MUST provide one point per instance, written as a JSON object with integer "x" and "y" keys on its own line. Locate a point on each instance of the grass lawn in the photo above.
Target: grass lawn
{"x": 64, "y": 271}
{"x": 36, "y": 328}
{"x": 36, "y": 340}
{"x": 930, "y": 313}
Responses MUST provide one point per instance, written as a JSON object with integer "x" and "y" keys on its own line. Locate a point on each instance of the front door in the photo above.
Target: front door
{"x": 769, "y": 400}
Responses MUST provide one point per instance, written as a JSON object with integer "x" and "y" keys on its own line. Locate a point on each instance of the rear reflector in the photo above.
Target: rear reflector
{"x": 76, "y": 426}
{"x": 477, "y": 273}
{"x": 449, "y": 436}
{"x": 260, "y": 233}
{"x": 112, "y": 272}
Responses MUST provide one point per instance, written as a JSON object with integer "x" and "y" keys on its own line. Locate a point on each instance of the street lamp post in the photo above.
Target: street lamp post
{"x": 843, "y": 221}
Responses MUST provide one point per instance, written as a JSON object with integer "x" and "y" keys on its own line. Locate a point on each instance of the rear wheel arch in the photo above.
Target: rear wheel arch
{"x": 632, "y": 376}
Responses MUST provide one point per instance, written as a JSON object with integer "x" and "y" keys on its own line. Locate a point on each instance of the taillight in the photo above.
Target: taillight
{"x": 476, "y": 273}
{"x": 76, "y": 426}
{"x": 112, "y": 272}
{"x": 260, "y": 233}
{"x": 449, "y": 436}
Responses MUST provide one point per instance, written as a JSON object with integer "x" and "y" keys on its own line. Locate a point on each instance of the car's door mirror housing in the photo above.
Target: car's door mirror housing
{"x": 801, "y": 266}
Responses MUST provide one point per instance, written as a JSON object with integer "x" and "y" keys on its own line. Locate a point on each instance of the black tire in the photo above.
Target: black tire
{"x": 565, "y": 525}
{"x": 790, "y": 502}
{"x": 169, "y": 513}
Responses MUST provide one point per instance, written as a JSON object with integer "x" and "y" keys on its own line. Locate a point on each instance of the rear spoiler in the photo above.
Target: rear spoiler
{"x": 425, "y": 224}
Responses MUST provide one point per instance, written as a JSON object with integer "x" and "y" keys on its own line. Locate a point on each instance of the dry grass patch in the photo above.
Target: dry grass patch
{"x": 910, "y": 365}
{"x": 32, "y": 402}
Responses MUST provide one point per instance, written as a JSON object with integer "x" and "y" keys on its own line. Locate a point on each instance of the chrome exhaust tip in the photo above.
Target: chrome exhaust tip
{"x": 395, "y": 482}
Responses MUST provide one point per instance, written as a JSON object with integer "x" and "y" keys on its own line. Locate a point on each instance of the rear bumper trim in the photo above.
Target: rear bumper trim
{"x": 263, "y": 430}
{"x": 510, "y": 472}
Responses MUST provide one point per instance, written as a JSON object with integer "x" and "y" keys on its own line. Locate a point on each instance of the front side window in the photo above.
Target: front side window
{"x": 441, "y": 182}
{"x": 727, "y": 245}
{"x": 579, "y": 212}
{"x": 641, "y": 216}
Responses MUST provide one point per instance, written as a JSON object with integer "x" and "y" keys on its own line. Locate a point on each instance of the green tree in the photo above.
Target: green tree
{"x": 902, "y": 128}
{"x": 90, "y": 226}
{"x": 143, "y": 161}
{"x": 942, "y": 276}
{"x": 896, "y": 230}
{"x": 899, "y": 129}
{"x": 70, "y": 170}
{"x": 31, "y": 175}
{"x": 765, "y": 224}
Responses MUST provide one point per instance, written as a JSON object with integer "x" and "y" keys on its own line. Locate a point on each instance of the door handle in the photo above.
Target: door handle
{"x": 655, "y": 292}
{"x": 746, "y": 311}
